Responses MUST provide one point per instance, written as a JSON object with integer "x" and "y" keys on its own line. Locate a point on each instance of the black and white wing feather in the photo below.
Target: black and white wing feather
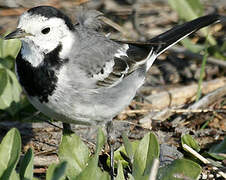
{"x": 127, "y": 57}
{"x": 125, "y": 61}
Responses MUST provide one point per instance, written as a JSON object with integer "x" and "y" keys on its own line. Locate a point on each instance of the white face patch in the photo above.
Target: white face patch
{"x": 31, "y": 53}
{"x": 40, "y": 43}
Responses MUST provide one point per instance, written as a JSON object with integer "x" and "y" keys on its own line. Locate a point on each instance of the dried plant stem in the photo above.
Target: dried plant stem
{"x": 204, "y": 160}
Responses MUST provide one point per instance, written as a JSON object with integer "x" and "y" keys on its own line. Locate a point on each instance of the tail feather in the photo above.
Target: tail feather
{"x": 165, "y": 40}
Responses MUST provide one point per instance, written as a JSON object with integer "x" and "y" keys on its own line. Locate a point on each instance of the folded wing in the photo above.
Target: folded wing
{"x": 132, "y": 55}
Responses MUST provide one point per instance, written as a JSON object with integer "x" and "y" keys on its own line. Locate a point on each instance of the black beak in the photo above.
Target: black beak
{"x": 18, "y": 33}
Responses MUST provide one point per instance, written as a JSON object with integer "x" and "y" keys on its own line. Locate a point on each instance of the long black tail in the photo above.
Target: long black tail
{"x": 167, "y": 39}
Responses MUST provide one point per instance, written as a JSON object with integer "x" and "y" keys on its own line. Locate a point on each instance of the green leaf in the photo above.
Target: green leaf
{"x": 7, "y": 62}
{"x": 217, "y": 156}
{"x": 3, "y": 80}
{"x": 216, "y": 150}
{"x": 9, "y": 48}
{"x": 26, "y": 166}
{"x": 146, "y": 152}
{"x": 15, "y": 176}
{"x": 219, "y": 148}
{"x": 10, "y": 90}
{"x": 9, "y": 153}
{"x": 56, "y": 171}
{"x": 100, "y": 141}
{"x": 153, "y": 153}
{"x": 190, "y": 141}
{"x": 92, "y": 170}
{"x": 128, "y": 147}
{"x": 16, "y": 91}
{"x": 74, "y": 152}
{"x": 50, "y": 171}
{"x": 189, "y": 10}
{"x": 120, "y": 174}
{"x": 5, "y": 96}
{"x": 180, "y": 169}
{"x": 16, "y": 88}
{"x": 121, "y": 149}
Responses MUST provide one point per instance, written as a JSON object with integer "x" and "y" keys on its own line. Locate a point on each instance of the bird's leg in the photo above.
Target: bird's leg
{"x": 111, "y": 142}
{"x": 67, "y": 128}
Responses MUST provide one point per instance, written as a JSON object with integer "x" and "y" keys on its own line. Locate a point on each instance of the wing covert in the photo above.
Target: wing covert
{"x": 126, "y": 60}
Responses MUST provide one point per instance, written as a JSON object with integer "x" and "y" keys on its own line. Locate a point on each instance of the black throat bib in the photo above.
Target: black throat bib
{"x": 40, "y": 81}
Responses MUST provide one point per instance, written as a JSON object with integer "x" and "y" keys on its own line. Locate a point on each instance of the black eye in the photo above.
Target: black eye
{"x": 46, "y": 30}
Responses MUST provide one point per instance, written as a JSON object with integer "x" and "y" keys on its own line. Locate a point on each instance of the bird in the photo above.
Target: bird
{"x": 73, "y": 73}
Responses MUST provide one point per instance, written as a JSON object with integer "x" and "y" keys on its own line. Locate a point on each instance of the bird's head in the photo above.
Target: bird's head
{"x": 45, "y": 27}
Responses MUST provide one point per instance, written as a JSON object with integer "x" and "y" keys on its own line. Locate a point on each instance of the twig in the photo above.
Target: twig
{"x": 204, "y": 160}
{"x": 205, "y": 101}
{"x": 177, "y": 111}
{"x": 209, "y": 98}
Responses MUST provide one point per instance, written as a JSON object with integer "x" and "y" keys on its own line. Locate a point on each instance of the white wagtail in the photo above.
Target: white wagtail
{"x": 75, "y": 74}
